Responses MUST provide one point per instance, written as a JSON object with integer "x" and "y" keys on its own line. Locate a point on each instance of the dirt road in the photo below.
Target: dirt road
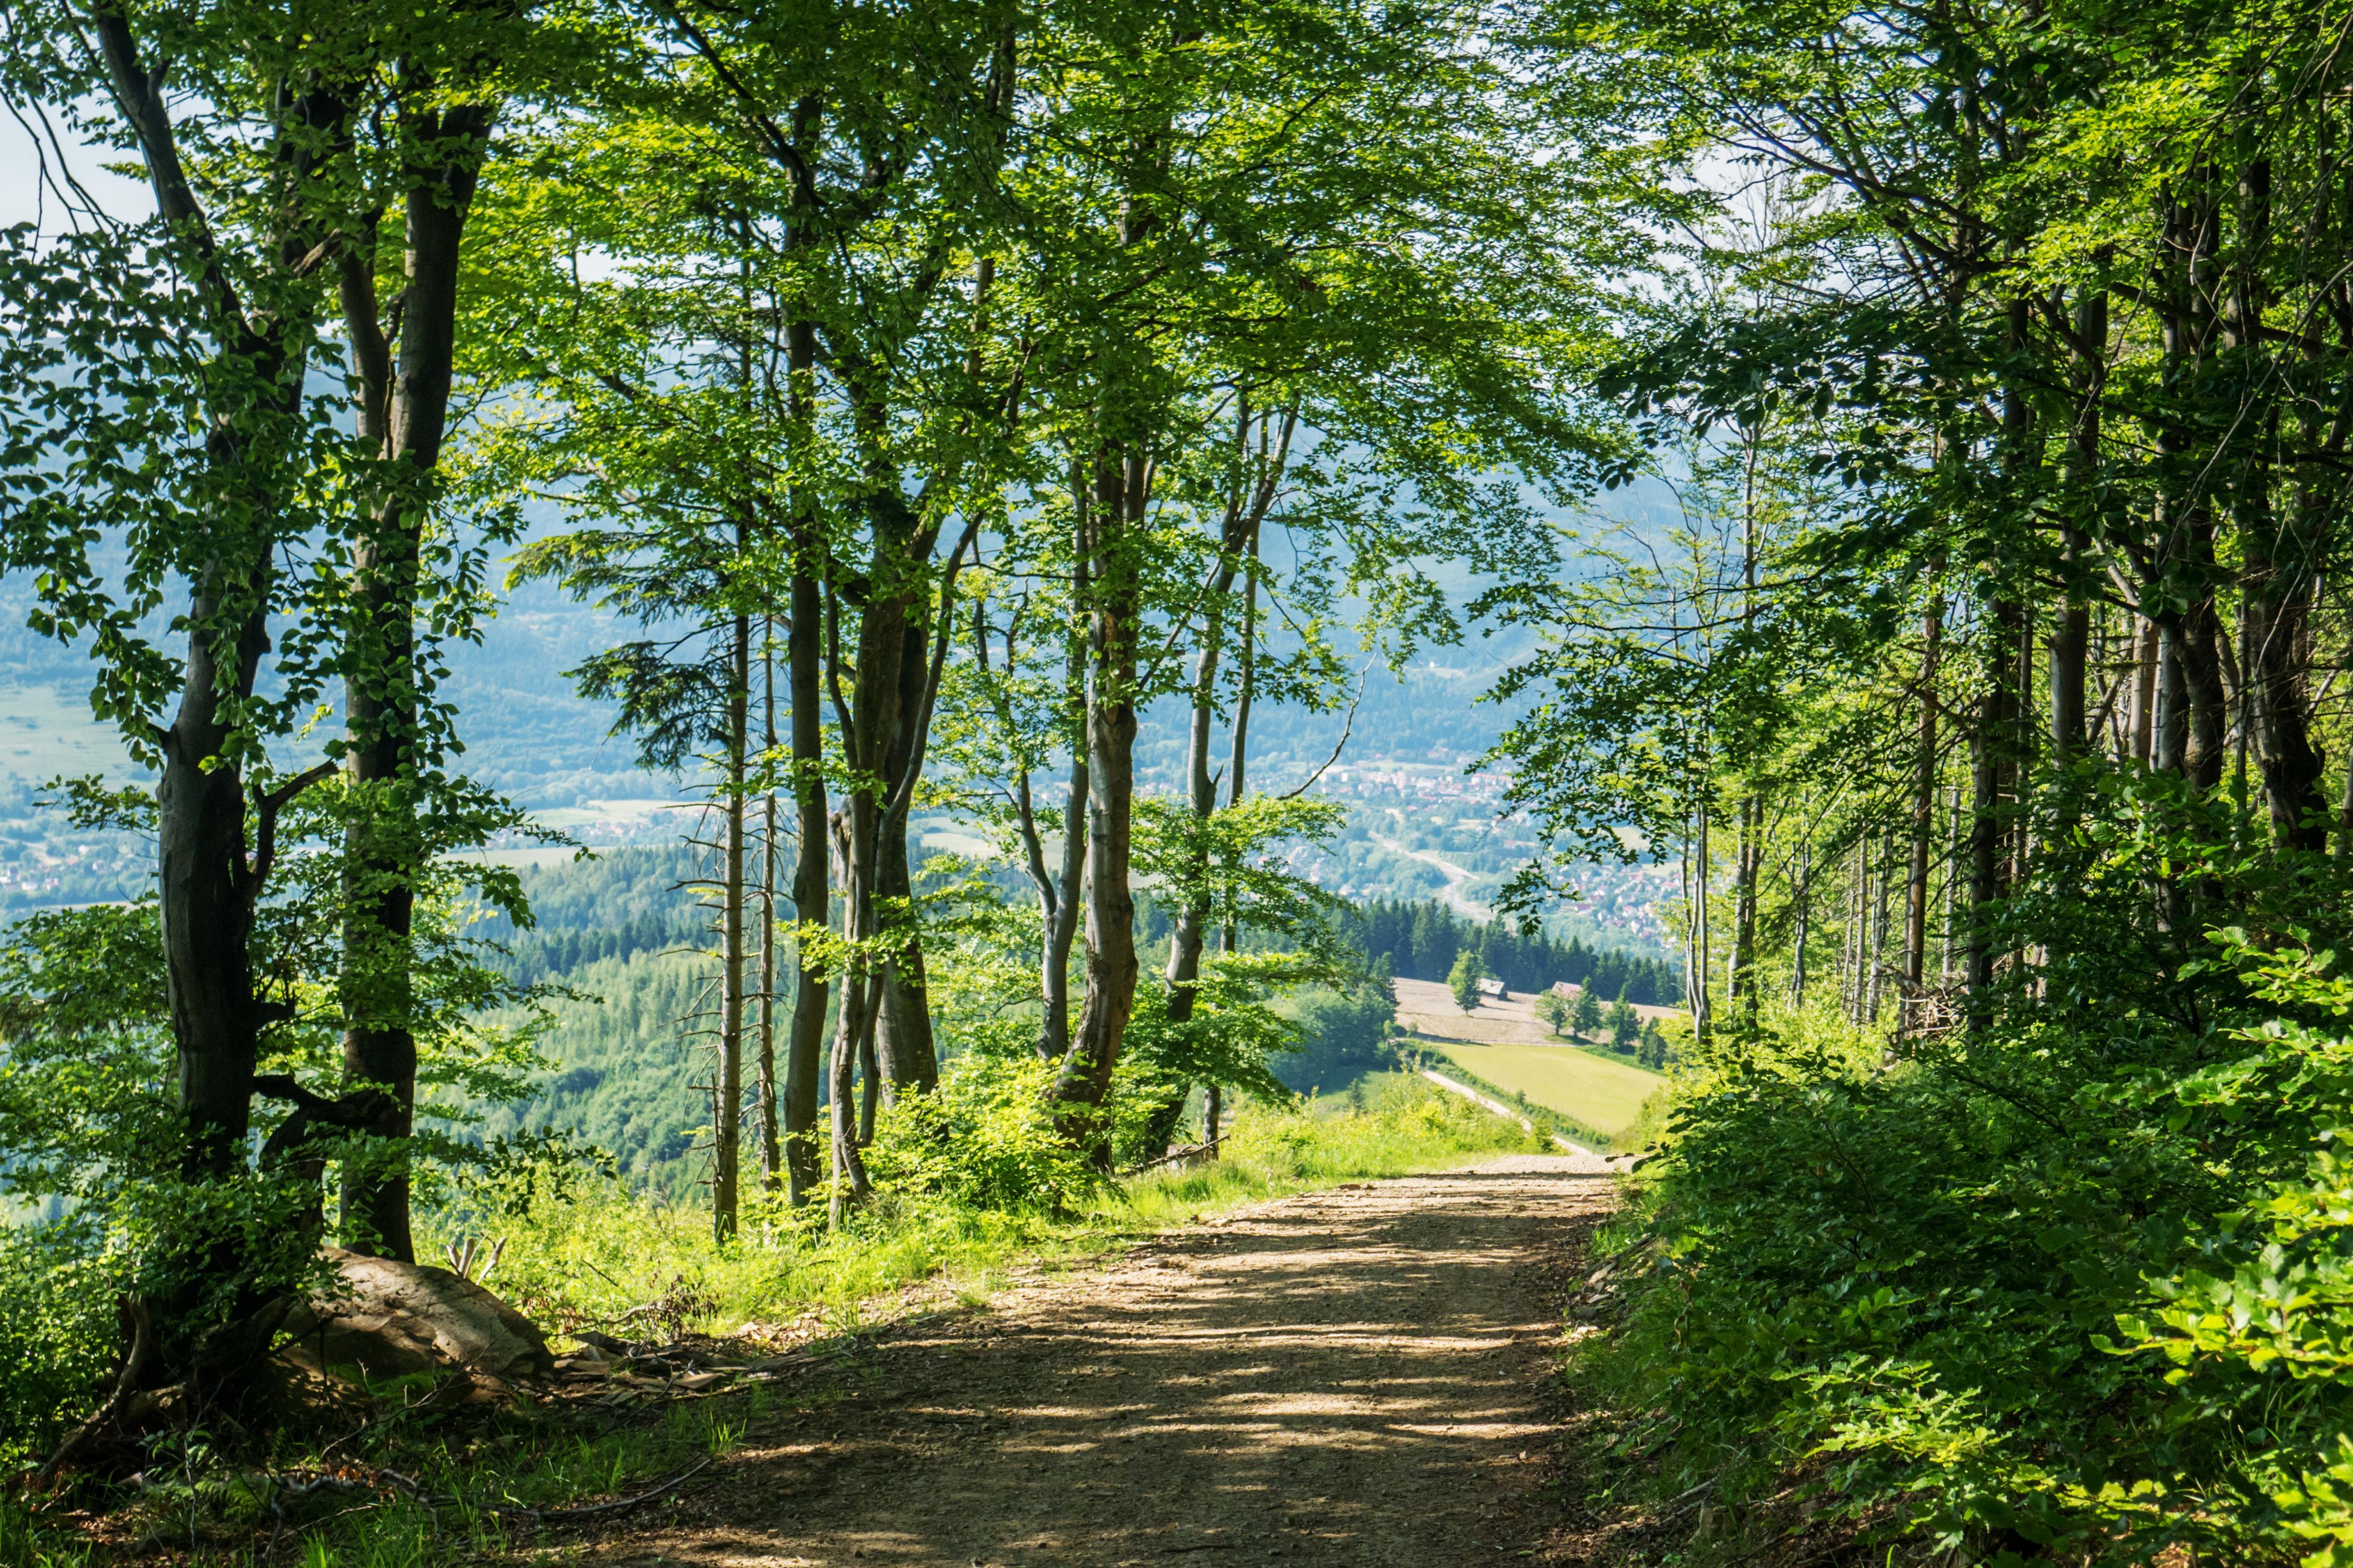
{"x": 1356, "y": 1377}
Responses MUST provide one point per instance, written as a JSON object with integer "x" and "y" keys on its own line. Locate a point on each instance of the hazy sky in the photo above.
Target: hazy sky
{"x": 20, "y": 193}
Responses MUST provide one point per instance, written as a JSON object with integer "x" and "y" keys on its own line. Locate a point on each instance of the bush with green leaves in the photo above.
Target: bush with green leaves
{"x": 2075, "y": 1285}
{"x": 115, "y": 1228}
{"x": 984, "y": 1138}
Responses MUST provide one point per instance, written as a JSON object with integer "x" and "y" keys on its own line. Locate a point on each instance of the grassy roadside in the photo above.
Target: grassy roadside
{"x": 607, "y": 1254}
{"x": 1594, "y": 1089}
{"x": 603, "y": 1253}
{"x": 1546, "y": 1120}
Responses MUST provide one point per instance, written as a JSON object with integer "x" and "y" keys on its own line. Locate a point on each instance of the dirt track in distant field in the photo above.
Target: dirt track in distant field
{"x": 1356, "y": 1377}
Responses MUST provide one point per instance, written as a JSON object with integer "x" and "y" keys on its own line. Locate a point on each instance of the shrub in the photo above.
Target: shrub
{"x": 2071, "y": 1286}
{"x": 984, "y": 1139}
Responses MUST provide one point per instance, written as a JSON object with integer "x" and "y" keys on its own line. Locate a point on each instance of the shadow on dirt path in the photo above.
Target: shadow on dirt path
{"x": 1359, "y": 1376}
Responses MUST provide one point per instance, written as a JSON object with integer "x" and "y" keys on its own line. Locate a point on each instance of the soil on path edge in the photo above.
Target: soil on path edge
{"x": 1359, "y": 1376}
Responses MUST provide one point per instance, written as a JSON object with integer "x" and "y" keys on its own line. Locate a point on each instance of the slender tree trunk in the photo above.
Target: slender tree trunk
{"x": 409, "y": 417}
{"x": 2199, "y": 654}
{"x": 804, "y": 660}
{"x": 772, "y": 1174}
{"x": 1060, "y": 898}
{"x": 1695, "y": 976}
{"x": 204, "y": 897}
{"x": 1255, "y": 488}
{"x": 2071, "y": 627}
{"x": 2280, "y": 576}
{"x": 1990, "y": 762}
{"x": 1878, "y": 923}
{"x": 1190, "y": 933}
{"x": 1858, "y": 933}
{"x": 908, "y": 1054}
{"x": 1237, "y": 785}
{"x": 1804, "y": 893}
{"x": 2142, "y": 739}
{"x": 2172, "y": 705}
{"x": 1116, "y": 613}
{"x": 727, "y": 1125}
{"x": 869, "y": 1083}
{"x": 1742, "y": 979}
{"x": 870, "y": 723}
{"x": 1924, "y": 800}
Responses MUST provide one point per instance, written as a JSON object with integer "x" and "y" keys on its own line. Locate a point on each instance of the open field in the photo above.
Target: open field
{"x": 1605, "y": 1095}
{"x": 1427, "y": 1009}
{"x": 1504, "y": 1043}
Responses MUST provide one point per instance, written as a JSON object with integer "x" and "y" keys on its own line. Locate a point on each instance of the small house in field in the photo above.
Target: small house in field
{"x": 1494, "y": 988}
{"x": 1567, "y": 990}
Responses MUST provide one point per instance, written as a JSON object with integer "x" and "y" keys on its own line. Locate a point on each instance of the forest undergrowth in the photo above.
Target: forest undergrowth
{"x": 2068, "y": 1286}
{"x": 394, "y": 1475}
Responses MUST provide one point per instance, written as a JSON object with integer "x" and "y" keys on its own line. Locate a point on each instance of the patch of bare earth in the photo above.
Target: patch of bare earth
{"x": 1361, "y": 1376}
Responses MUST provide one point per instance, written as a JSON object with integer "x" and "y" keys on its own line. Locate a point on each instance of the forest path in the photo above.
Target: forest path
{"x": 1360, "y": 1377}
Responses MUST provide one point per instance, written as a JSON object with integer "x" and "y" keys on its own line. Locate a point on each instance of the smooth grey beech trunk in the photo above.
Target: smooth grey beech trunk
{"x": 906, "y": 1052}
{"x": 805, "y": 1037}
{"x": 209, "y": 878}
{"x": 404, "y": 408}
{"x": 1115, "y": 607}
{"x": 805, "y": 667}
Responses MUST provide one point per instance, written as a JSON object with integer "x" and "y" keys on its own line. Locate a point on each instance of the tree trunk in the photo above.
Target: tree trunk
{"x": 205, "y": 899}
{"x": 1190, "y": 933}
{"x": 2142, "y": 736}
{"x": 1804, "y": 894}
{"x": 1696, "y": 945}
{"x": 1061, "y": 928}
{"x": 1924, "y": 799}
{"x": 1991, "y": 756}
{"x": 727, "y": 1125}
{"x": 805, "y": 1037}
{"x": 2071, "y": 627}
{"x": 772, "y": 1175}
{"x": 908, "y": 1052}
{"x": 2199, "y": 653}
{"x": 1877, "y": 964}
{"x": 2172, "y": 704}
{"x": 1115, "y": 618}
{"x": 1255, "y": 487}
{"x": 408, "y": 415}
{"x": 869, "y": 728}
{"x": 1958, "y": 838}
{"x": 805, "y": 659}
{"x": 206, "y": 883}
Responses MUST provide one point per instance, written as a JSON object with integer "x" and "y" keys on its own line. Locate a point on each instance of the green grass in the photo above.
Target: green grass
{"x": 1601, "y": 1093}
{"x": 609, "y": 1249}
{"x": 1359, "y": 1094}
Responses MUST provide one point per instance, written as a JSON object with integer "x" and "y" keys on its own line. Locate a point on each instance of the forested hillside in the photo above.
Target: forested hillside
{"x": 632, "y": 934}
{"x": 1420, "y": 941}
